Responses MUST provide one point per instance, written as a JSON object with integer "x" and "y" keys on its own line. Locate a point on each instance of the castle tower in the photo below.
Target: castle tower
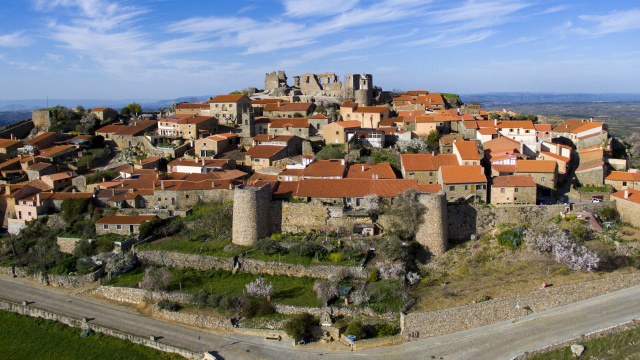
{"x": 433, "y": 232}
{"x": 250, "y": 214}
{"x": 248, "y": 123}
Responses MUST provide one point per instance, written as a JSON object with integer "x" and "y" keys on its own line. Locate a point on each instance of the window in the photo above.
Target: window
{"x": 502, "y": 190}
{"x": 337, "y": 133}
{"x": 466, "y": 163}
{"x": 159, "y": 199}
{"x": 105, "y": 227}
{"x": 430, "y": 173}
{"x": 29, "y": 213}
{"x": 186, "y": 196}
{"x": 543, "y": 179}
{"x": 466, "y": 187}
{"x": 516, "y": 190}
{"x": 452, "y": 188}
{"x": 624, "y": 183}
{"x": 119, "y": 227}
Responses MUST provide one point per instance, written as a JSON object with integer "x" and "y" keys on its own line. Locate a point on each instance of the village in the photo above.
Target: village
{"x": 344, "y": 197}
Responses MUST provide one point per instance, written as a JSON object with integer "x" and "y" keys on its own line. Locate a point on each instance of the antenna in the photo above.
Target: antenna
{"x": 47, "y": 101}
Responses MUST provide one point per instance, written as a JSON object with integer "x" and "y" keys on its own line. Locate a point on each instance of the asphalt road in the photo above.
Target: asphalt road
{"x": 498, "y": 341}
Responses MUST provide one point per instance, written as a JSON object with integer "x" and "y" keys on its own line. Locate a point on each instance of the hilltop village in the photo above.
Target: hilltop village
{"x": 339, "y": 180}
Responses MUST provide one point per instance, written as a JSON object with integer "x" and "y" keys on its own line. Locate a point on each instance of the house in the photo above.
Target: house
{"x": 58, "y": 181}
{"x": 318, "y": 122}
{"x": 187, "y": 126}
{"x": 259, "y": 105}
{"x": 466, "y": 152}
{"x": 35, "y": 171}
{"x": 522, "y": 131}
{"x": 9, "y": 148}
{"x": 621, "y": 180}
{"x": 591, "y": 169}
{"x": 191, "y": 108}
{"x": 229, "y": 108}
{"x": 105, "y": 114}
{"x": 290, "y": 126}
{"x": 336, "y": 132}
{"x": 289, "y": 110}
{"x": 27, "y": 209}
{"x": 214, "y": 144}
{"x": 124, "y": 137}
{"x": 198, "y": 166}
{"x": 501, "y": 146}
{"x": 446, "y": 142}
{"x": 463, "y": 183}
{"x": 513, "y": 190}
{"x": 543, "y": 172}
{"x": 582, "y": 133}
{"x": 108, "y": 131}
{"x": 57, "y": 154}
{"x": 40, "y": 142}
{"x": 150, "y": 163}
{"x": 563, "y": 162}
{"x": 121, "y": 224}
{"x": 425, "y": 167}
{"x": 543, "y": 132}
{"x": 184, "y": 194}
{"x": 468, "y": 129}
{"x": 291, "y": 142}
{"x": 628, "y": 205}
{"x": 264, "y": 155}
{"x": 375, "y": 171}
{"x": 369, "y": 116}
{"x": 367, "y": 137}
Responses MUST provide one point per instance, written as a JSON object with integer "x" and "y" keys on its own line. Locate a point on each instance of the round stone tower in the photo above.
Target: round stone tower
{"x": 250, "y": 214}
{"x": 432, "y": 233}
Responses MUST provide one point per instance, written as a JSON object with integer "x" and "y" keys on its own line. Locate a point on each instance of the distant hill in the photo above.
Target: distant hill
{"x": 10, "y": 117}
{"x": 147, "y": 104}
{"x": 533, "y": 98}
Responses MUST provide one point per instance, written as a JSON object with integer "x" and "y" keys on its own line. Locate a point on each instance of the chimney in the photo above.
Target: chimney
{"x": 38, "y": 199}
{"x": 13, "y": 137}
{"x": 202, "y": 161}
{"x": 626, "y": 193}
{"x": 73, "y": 191}
{"x": 213, "y": 184}
{"x": 362, "y": 168}
{"x": 591, "y": 120}
{"x": 230, "y": 186}
{"x": 113, "y": 191}
{"x": 104, "y": 180}
{"x": 131, "y": 190}
{"x": 162, "y": 185}
{"x": 495, "y": 122}
{"x": 8, "y": 187}
{"x": 342, "y": 161}
{"x": 433, "y": 153}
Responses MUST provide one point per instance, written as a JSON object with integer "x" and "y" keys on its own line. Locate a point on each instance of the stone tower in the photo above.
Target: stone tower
{"x": 363, "y": 94}
{"x": 250, "y": 214}
{"x": 432, "y": 233}
{"x": 273, "y": 81}
{"x": 248, "y": 123}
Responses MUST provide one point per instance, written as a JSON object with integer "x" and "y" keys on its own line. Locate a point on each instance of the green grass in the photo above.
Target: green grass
{"x": 624, "y": 345}
{"x": 286, "y": 290}
{"x": 24, "y": 337}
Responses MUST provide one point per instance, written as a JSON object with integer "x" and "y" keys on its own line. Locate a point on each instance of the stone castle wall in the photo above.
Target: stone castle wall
{"x": 433, "y": 233}
{"x": 447, "y": 321}
{"x": 19, "y": 130}
{"x": 250, "y": 218}
{"x": 41, "y": 119}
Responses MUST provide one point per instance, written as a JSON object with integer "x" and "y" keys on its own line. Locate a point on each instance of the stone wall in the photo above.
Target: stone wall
{"x": 6, "y": 270}
{"x": 41, "y": 119}
{"x": 65, "y": 281}
{"x": 628, "y": 211}
{"x": 136, "y": 296}
{"x": 377, "y": 342}
{"x": 447, "y": 321}
{"x": 594, "y": 176}
{"x": 432, "y": 233}
{"x": 208, "y": 322}
{"x": 203, "y": 262}
{"x": 67, "y": 245}
{"x": 33, "y": 312}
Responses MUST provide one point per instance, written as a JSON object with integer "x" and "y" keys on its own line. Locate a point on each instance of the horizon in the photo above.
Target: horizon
{"x": 157, "y": 50}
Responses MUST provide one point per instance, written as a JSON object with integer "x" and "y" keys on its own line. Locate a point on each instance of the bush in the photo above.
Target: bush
{"x": 167, "y": 305}
{"x": 266, "y": 246}
{"x": 199, "y": 298}
{"x": 335, "y": 257}
{"x": 84, "y": 248}
{"x": 228, "y": 303}
{"x": 254, "y": 307}
{"x": 357, "y": 329}
{"x": 309, "y": 250}
{"x": 213, "y": 300}
{"x": 512, "y": 239}
{"x": 374, "y": 275}
{"x": 299, "y": 325}
{"x": 385, "y": 330}
{"x": 150, "y": 227}
{"x": 609, "y": 214}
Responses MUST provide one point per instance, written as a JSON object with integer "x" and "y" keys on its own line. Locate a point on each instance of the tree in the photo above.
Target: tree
{"x": 494, "y": 116}
{"x": 259, "y": 288}
{"x": 412, "y": 146}
{"x": 83, "y": 248}
{"x": 326, "y": 290}
{"x": 155, "y": 279}
{"x": 371, "y": 203}
{"x": 96, "y": 141}
{"x": 433, "y": 142}
{"x": 298, "y": 325}
{"x": 549, "y": 238}
{"x": 408, "y": 213}
{"x": 131, "y": 109}
{"x": 74, "y": 208}
{"x": 356, "y": 329}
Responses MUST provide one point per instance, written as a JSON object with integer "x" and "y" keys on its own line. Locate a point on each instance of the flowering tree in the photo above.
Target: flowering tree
{"x": 360, "y": 295}
{"x": 259, "y": 288}
{"x": 371, "y": 203}
{"x": 413, "y": 146}
{"x": 325, "y": 290}
{"x": 389, "y": 270}
{"x": 155, "y": 279}
{"x": 551, "y": 239}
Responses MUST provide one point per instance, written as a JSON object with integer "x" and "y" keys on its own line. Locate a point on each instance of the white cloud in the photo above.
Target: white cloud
{"x": 520, "y": 40}
{"x": 615, "y": 22}
{"x": 15, "y": 40}
{"x": 484, "y": 11}
{"x": 304, "y": 8}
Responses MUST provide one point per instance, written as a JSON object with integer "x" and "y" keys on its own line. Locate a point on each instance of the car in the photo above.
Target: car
{"x": 596, "y": 200}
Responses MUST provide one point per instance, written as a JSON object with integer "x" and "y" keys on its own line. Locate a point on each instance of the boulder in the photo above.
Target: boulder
{"x": 577, "y": 350}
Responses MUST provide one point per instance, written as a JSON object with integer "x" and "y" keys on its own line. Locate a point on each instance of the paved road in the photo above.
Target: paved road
{"x": 499, "y": 341}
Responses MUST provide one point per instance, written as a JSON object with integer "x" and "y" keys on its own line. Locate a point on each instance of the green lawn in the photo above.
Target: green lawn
{"x": 624, "y": 345}
{"x": 286, "y": 290}
{"x": 24, "y": 337}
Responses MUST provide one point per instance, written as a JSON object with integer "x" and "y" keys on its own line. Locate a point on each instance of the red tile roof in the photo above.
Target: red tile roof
{"x": 139, "y": 127}
{"x": 349, "y": 124}
{"x": 199, "y": 162}
{"x": 192, "y": 106}
{"x": 623, "y": 176}
{"x": 513, "y": 181}
{"x": 503, "y": 168}
{"x": 461, "y": 174}
{"x": 372, "y": 109}
{"x": 125, "y": 220}
{"x": 516, "y": 124}
{"x": 634, "y": 196}
{"x": 5, "y": 143}
{"x": 227, "y": 98}
{"x": 40, "y": 137}
{"x": 570, "y": 125}
{"x": 502, "y": 143}
{"x": 542, "y": 127}
{"x": 320, "y": 116}
{"x": 468, "y": 150}
{"x": 536, "y": 166}
{"x": 592, "y": 166}
{"x": 289, "y": 122}
{"x": 332, "y": 167}
{"x": 363, "y": 171}
{"x": 110, "y": 129}
{"x": 265, "y": 151}
{"x": 302, "y": 107}
{"x": 350, "y": 188}
{"x": 426, "y": 162}
{"x": 56, "y": 150}
{"x": 555, "y": 156}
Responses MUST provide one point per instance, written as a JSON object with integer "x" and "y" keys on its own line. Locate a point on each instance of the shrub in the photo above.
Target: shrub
{"x": 229, "y": 303}
{"x": 357, "y": 329}
{"x": 149, "y": 228}
{"x": 304, "y": 249}
{"x": 609, "y": 214}
{"x": 551, "y": 239}
{"x": 253, "y": 307}
{"x": 385, "y": 330}
{"x": 167, "y": 305}
{"x": 83, "y": 248}
{"x": 259, "y": 288}
{"x": 199, "y": 298}
{"x": 512, "y": 239}
{"x": 266, "y": 246}
{"x": 326, "y": 290}
{"x": 299, "y": 325}
{"x": 213, "y": 300}
{"x": 374, "y": 275}
{"x": 155, "y": 279}
{"x": 335, "y": 257}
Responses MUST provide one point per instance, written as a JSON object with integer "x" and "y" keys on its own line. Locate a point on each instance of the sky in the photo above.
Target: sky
{"x": 164, "y": 49}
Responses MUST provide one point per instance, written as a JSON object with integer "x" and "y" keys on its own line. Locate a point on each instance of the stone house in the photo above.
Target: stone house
{"x": 292, "y": 142}
{"x": 198, "y": 166}
{"x": 582, "y": 133}
{"x": 290, "y": 126}
{"x": 214, "y": 144}
{"x": 191, "y": 108}
{"x": 463, "y": 182}
{"x": 130, "y": 199}
{"x": 57, "y": 154}
{"x": 289, "y": 110}
{"x": 58, "y": 181}
{"x": 543, "y": 172}
{"x": 259, "y": 105}
{"x": 369, "y": 116}
{"x": 466, "y": 152}
{"x": 108, "y": 131}
{"x": 36, "y": 171}
{"x": 9, "y": 148}
{"x": 335, "y": 133}
{"x": 592, "y": 167}
{"x": 264, "y": 155}
{"x": 628, "y": 205}
{"x": 121, "y": 224}
{"x": 468, "y": 129}
{"x": 425, "y": 167}
{"x": 187, "y": 126}
{"x": 375, "y": 171}
{"x": 512, "y": 190}
{"x": 621, "y": 180}
{"x": 182, "y": 194}
{"x": 26, "y": 209}
{"x": 105, "y": 113}
{"x": 563, "y": 162}
{"x": 40, "y": 142}
{"x": 124, "y": 137}
{"x": 150, "y": 163}
{"x": 318, "y": 122}
{"x": 229, "y": 108}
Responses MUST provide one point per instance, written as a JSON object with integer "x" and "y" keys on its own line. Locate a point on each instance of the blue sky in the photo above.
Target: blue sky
{"x": 153, "y": 49}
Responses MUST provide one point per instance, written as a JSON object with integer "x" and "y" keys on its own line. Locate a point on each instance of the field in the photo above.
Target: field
{"x": 24, "y": 337}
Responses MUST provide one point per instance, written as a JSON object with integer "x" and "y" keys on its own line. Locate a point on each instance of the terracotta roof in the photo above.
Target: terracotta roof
{"x": 259, "y": 176}
{"x": 447, "y": 140}
{"x": 503, "y": 168}
{"x": 363, "y": 171}
{"x": 38, "y": 184}
{"x": 587, "y": 126}
{"x": 100, "y": 109}
{"x": 634, "y": 195}
{"x": 265, "y": 151}
{"x": 426, "y": 162}
{"x": 332, "y": 167}
{"x": 542, "y": 127}
{"x": 192, "y": 106}
{"x": 227, "y": 98}
{"x": 320, "y": 116}
{"x": 431, "y": 98}
{"x": 349, "y": 124}
{"x": 555, "y": 156}
{"x": 487, "y": 131}
{"x": 461, "y": 174}
{"x": 402, "y": 98}
{"x": 125, "y": 220}
{"x": 371, "y": 109}
{"x": 486, "y": 123}
{"x": 5, "y": 143}
{"x": 267, "y": 101}
{"x": 289, "y": 122}
{"x": 110, "y": 129}
{"x": 302, "y": 107}
{"x": 513, "y": 181}
{"x": 623, "y": 176}
{"x": 501, "y": 144}
{"x": 516, "y": 124}
{"x": 429, "y": 188}
{"x": 592, "y": 166}
{"x": 570, "y": 125}
{"x": 40, "y": 137}
{"x": 39, "y": 166}
{"x": 470, "y": 124}
{"x": 468, "y": 150}
{"x": 416, "y": 92}
{"x": 139, "y": 127}
{"x": 227, "y": 135}
{"x": 75, "y": 195}
{"x": 58, "y": 176}
{"x": 148, "y": 160}
{"x": 536, "y": 166}
{"x": 349, "y": 103}
{"x": 199, "y": 162}
{"x": 271, "y": 107}
{"x": 55, "y": 150}
{"x": 292, "y": 172}
{"x": 350, "y": 188}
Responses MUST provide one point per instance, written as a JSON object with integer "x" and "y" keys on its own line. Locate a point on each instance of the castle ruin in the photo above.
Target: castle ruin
{"x": 358, "y": 87}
